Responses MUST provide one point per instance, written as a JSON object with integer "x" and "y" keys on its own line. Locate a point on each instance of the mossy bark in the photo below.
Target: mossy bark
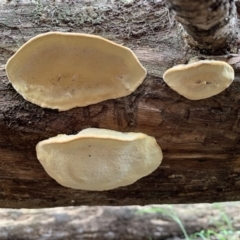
{"x": 199, "y": 139}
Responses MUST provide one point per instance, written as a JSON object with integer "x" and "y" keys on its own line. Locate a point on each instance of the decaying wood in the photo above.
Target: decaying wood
{"x": 200, "y": 139}
{"x": 150, "y": 222}
{"x": 210, "y": 24}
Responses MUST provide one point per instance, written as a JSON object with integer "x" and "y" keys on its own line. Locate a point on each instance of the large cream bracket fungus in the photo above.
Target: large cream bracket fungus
{"x": 99, "y": 159}
{"x": 66, "y": 70}
{"x": 200, "y": 80}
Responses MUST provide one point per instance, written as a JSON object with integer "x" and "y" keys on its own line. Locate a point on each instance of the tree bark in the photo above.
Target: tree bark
{"x": 199, "y": 139}
{"x": 123, "y": 223}
{"x": 210, "y": 24}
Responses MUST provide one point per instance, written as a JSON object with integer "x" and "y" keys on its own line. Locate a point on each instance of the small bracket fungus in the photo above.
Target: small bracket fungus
{"x": 201, "y": 79}
{"x": 99, "y": 159}
{"x": 66, "y": 70}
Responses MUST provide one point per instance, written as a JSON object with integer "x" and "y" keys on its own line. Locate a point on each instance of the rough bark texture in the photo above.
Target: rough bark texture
{"x": 199, "y": 139}
{"x": 211, "y": 24}
{"x": 122, "y": 223}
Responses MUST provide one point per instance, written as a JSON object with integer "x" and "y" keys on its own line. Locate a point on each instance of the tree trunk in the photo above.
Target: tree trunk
{"x": 211, "y": 24}
{"x": 199, "y": 139}
{"x": 122, "y": 223}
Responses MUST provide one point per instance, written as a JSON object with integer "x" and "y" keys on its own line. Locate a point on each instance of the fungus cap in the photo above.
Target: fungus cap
{"x": 99, "y": 159}
{"x": 66, "y": 70}
{"x": 201, "y": 79}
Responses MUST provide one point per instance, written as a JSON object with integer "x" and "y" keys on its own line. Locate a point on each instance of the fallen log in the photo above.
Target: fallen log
{"x": 199, "y": 139}
{"x": 132, "y": 222}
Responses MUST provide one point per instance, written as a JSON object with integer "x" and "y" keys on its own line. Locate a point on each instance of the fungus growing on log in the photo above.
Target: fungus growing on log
{"x": 200, "y": 80}
{"x": 66, "y": 70}
{"x": 99, "y": 159}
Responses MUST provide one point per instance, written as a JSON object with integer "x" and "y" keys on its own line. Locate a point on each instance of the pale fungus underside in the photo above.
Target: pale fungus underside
{"x": 66, "y": 70}
{"x": 201, "y": 79}
{"x": 99, "y": 159}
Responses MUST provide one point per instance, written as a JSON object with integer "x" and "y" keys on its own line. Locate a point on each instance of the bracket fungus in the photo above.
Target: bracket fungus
{"x": 66, "y": 70}
{"x": 200, "y": 80}
{"x": 99, "y": 159}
